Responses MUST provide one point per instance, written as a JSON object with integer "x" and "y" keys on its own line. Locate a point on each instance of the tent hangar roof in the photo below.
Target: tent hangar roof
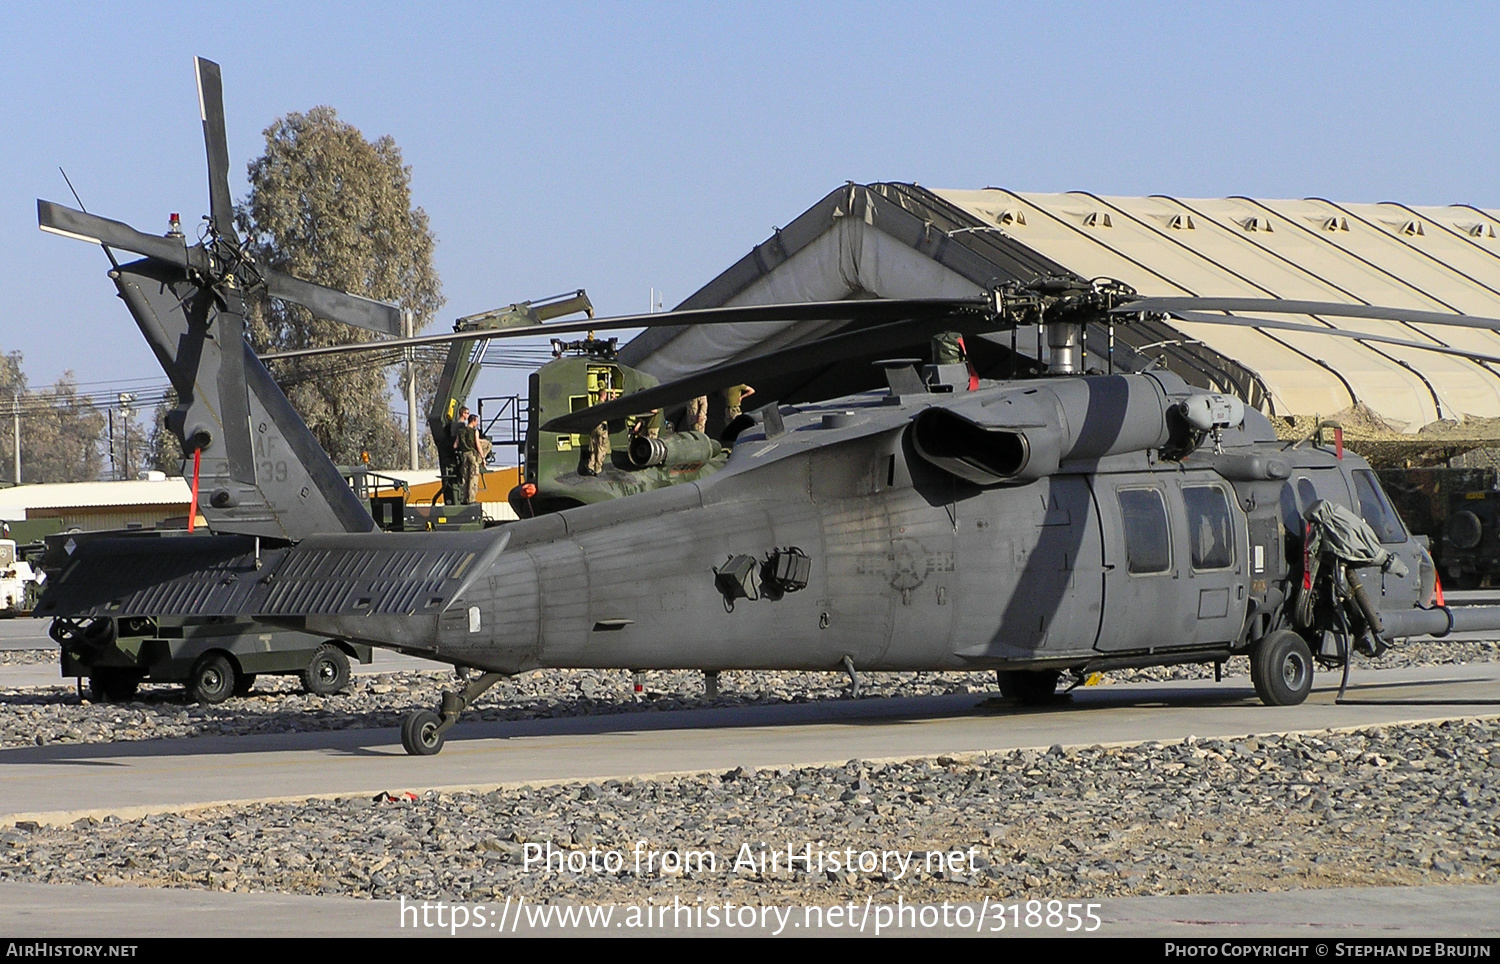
{"x": 904, "y": 241}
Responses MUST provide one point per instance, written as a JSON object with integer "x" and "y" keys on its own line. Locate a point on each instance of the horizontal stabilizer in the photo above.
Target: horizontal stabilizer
{"x": 400, "y": 574}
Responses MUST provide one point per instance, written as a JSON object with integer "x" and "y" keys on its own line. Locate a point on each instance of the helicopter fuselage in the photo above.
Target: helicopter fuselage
{"x": 1123, "y": 557}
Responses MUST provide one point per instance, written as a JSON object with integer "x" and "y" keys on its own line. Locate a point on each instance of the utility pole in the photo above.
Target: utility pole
{"x": 126, "y": 411}
{"x": 16, "y": 415}
{"x": 408, "y": 326}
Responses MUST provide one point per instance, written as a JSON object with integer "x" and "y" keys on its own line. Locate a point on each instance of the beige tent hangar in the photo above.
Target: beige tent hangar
{"x": 905, "y": 241}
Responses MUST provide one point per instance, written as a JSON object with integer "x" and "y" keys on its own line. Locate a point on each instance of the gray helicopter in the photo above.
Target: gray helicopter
{"x": 1041, "y": 525}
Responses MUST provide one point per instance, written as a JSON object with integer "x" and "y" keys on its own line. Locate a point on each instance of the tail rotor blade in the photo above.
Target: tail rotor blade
{"x": 211, "y": 109}
{"x": 60, "y": 219}
{"x": 335, "y": 305}
{"x": 234, "y": 399}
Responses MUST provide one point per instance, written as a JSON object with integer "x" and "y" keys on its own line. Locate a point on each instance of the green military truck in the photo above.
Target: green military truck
{"x": 214, "y": 658}
{"x": 1459, "y": 510}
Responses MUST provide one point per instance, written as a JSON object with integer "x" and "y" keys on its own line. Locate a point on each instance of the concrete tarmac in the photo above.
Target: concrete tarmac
{"x": 60, "y": 782}
{"x": 24, "y": 632}
{"x": 57, "y": 784}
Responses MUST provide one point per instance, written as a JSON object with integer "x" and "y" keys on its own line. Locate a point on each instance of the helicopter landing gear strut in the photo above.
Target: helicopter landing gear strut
{"x": 422, "y": 732}
{"x": 848, "y": 662}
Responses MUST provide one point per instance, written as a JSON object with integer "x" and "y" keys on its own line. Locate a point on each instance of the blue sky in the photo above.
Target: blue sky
{"x": 623, "y": 147}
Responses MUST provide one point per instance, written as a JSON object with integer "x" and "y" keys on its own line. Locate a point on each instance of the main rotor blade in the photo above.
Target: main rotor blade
{"x": 1241, "y": 321}
{"x": 335, "y": 305}
{"x": 874, "y": 310}
{"x": 1275, "y": 306}
{"x": 60, "y": 219}
{"x": 211, "y": 109}
{"x": 873, "y": 342}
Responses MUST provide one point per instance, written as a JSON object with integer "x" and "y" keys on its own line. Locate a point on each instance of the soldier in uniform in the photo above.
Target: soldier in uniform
{"x": 456, "y": 427}
{"x": 469, "y": 463}
{"x": 734, "y": 396}
{"x": 599, "y": 445}
{"x": 453, "y": 489}
{"x": 648, "y": 425}
{"x": 695, "y": 419}
{"x": 477, "y": 457}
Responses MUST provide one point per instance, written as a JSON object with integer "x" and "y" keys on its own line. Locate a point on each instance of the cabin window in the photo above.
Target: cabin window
{"x": 1209, "y": 531}
{"x": 1376, "y": 510}
{"x": 1291, "y": 514}
{"x": 1148, "y": 544}
{"x": 1306, "y": 494}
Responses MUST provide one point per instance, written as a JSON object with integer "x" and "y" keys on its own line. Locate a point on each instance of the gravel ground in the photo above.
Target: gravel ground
{"x": 55, "y": 714}
{"x": 29, "y": 657}
{"x": 1380, "y": 806}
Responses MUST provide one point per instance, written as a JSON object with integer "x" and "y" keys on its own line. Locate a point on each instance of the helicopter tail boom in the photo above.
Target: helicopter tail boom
{"x": 367, "y": 575}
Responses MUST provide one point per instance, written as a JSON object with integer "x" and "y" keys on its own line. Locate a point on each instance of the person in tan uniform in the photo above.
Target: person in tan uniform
{"x": 695, "y": 419}
{"x": 599, "y": 444}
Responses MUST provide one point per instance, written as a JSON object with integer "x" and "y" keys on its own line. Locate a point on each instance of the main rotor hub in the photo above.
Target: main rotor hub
{"x": 1065, "y": 347}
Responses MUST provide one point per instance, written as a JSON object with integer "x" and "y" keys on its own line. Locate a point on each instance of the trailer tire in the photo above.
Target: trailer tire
{"x": 327, "y": 672}
{"x": 1281, "y": 667}
{"x": 111, "y": 684}
{"x": 212, "y": 680}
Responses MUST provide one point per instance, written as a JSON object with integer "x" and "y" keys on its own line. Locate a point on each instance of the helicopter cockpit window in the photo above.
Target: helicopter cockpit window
{"x": 1376, "y": 510}
{"x": 1148, "y": 545}
{"x": 1209, "y": 529}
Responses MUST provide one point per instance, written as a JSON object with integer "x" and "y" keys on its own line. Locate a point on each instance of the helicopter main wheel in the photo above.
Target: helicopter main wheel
{"x": 421, "y": 733}
{"x": 327, "y": 673}
{"x": 112, "y": 684}
{"x": 212, "y": 680}
{"x": 1281, "y": 667}
{"x": 1028, "y": 687}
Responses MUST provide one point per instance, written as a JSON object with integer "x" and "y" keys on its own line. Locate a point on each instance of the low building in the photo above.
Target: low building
{"x": 153, "y": 502}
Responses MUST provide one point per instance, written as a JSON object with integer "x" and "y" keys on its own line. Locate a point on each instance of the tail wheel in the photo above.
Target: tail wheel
{"x": 421, "y": 734}
{"x": 1281, "y": 667}
{"x": 327, "y": 673}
